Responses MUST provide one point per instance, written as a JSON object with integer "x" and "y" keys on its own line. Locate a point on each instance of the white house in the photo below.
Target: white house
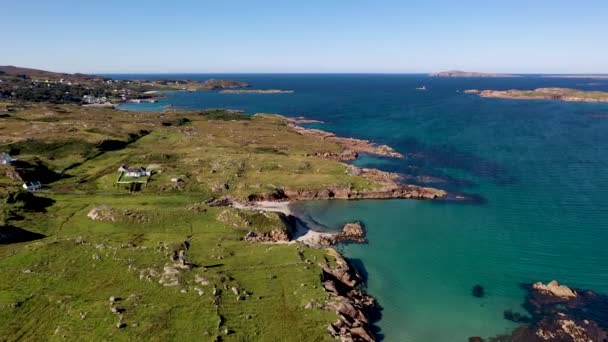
{"x": 6, "y": 159}
{"x": 134, "y": 172}
{"x": 32, "y": 186}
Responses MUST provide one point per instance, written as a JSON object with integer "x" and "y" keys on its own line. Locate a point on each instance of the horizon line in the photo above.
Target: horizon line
{"x": 328, "y": 73}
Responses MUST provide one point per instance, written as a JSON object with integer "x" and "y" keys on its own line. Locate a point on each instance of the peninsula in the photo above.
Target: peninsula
{"x": 560, "y": 94}
{"x": 458, "y": 73}
{"x": 128, "y": 225}
{"x": 45, "y": 86}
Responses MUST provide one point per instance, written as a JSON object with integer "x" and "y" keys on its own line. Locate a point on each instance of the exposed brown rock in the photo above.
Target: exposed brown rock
{"x": 554, "y": 288}
{"x": 357, "y": 145}
{"x": 351, "y": 232}
{"x": 389, "y": 191}
{"x": 276, "y": 235}
{"x": 561, "y": 314}
{"x": 352, "y": 306}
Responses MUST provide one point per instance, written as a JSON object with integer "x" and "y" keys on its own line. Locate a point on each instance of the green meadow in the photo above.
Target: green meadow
{"x": 60, "y": 268}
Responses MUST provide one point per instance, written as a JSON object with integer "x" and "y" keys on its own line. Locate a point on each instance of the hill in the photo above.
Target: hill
{"x": 43, "y": 74}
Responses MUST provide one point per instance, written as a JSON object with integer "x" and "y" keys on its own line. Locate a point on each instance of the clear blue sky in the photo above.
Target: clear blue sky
{"x": 532, "y": 36}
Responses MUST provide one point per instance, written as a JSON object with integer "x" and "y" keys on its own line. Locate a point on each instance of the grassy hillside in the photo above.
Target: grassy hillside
{"x": 61, "y": 267}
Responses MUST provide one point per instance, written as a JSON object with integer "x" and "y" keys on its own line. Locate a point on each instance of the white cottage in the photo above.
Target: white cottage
{"x": 6, "y": 159}
{"x": 134, "y": 171}
{"x": 32, "y": 186}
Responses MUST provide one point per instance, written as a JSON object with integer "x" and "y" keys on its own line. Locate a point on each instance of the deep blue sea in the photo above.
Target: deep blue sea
{"x": 537, "y": 169}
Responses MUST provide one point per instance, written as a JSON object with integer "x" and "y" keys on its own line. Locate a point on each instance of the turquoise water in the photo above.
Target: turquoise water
{"x": 537, "y": 169}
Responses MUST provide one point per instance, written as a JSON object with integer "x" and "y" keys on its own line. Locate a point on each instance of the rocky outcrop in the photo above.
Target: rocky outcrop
{"x": 555, "y": 289}
{"x": 276, "y": 235}
{"x": 562, "y": 328}
{"x": 356, "y": 145}
{"x": 397, "y": 191}
{"x": 302, "y": 120}
{"x": 344, "y": 156}
{"x": 351, "y": 233}
{"x": 106, "y": 213}
{"x": 354, "y": 308}
{"x": 103, "y": 213}
{"x": 387, "y": 192}
{"x": 561, "y": 314}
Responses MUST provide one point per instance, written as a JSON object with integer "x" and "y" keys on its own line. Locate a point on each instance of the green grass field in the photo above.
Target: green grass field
{"x": 58, "y": 287}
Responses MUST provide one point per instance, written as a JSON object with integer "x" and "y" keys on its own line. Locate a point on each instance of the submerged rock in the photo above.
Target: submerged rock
{"x": 560, "y": 314}
{"x": 477, "y": 291}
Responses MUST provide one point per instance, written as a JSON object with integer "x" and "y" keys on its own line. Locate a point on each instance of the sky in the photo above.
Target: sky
{"x": 311, "y": 36}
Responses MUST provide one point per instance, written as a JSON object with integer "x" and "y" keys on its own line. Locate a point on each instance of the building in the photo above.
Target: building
{"x": 32, "y": 186}
{"x": 134, "y": 172}
{"x": 6, "y": 159}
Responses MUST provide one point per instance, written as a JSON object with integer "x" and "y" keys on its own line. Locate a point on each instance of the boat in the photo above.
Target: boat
{"x": 421, "y": 88}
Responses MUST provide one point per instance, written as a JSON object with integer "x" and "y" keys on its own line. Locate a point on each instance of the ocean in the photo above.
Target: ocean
{"x": 537, "y": 171}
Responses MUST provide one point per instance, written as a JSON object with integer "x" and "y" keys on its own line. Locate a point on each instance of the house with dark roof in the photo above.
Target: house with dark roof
{"x": 134, "y": 171}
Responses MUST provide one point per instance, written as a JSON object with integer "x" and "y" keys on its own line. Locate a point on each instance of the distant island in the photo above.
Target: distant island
{"x": 604, "y": 77}
{"x": 458, "y": 73}
{"x": 256, "y": 91}
{"x": 561, "y": 94}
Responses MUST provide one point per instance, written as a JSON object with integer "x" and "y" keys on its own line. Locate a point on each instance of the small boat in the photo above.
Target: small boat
{"x": 421, "y": 88}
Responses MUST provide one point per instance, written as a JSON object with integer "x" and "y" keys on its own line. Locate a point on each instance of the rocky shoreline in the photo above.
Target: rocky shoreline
{"x": 345, "y": 287}
{"x": 356, "y": 310}
{"x": 351, "y": 146}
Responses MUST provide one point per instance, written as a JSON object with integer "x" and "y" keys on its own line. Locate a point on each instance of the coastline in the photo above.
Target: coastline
{"x": 347, "y": 296}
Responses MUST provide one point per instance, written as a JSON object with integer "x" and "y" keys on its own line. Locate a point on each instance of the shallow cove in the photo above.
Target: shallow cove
{"x": 538, "y": 167}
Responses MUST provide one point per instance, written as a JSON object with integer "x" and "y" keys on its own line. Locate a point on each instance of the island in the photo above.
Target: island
{"x": 177, "y": 224}
{"x": 256, "y": 91}
{"x": 560, "y": 94}
{"x": 459, "y": 73}
{"x": 599, "y": 77}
